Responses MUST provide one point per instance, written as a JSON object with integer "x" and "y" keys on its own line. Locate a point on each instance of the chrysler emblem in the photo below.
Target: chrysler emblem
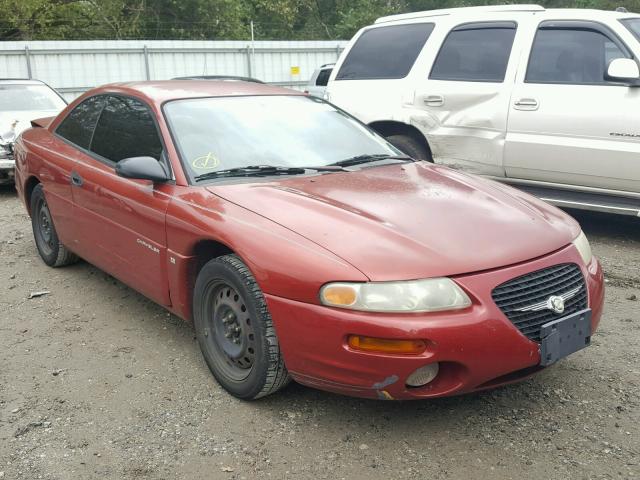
{"x": 556, "y": 303}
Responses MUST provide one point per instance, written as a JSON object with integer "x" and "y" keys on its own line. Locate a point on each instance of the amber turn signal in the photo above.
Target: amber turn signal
{"x": 386, "y": 345}
{"x": 339, "y": 295}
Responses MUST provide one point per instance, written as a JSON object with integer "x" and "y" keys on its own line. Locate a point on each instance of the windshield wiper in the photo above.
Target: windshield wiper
{"x": 366, "y": 158}
{"x": 264, "y": 170}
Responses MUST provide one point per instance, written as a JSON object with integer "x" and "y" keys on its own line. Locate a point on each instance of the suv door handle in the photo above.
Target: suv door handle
{"x": 76, "y": 179}
{"x": 526, "y": 104}
{"x": 434, "y": 100}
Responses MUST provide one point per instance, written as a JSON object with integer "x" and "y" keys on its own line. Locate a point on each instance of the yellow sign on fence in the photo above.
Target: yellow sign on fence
{"x": 295, "y": 70}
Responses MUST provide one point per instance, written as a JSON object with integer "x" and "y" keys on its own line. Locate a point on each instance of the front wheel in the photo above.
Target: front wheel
{"x": 235, "y": 332}
{"x": 51, "y": 250}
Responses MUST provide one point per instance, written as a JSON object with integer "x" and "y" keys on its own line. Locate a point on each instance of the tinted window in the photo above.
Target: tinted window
{"x": 633, "y": 24}
{"x": 385, "y": 52}
{"x": 78, "y": 125}
{"x": 126, "y": 129}
{"x": 475, "y": 52}
{"x": 571, "y": 55}
{"x": 323, "y": 77}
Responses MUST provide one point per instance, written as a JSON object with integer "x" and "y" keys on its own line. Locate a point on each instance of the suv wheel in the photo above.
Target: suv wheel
{"x": 410, "y": 146}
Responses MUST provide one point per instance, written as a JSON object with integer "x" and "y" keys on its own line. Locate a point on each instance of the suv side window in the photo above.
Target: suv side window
{"x": 475, "y": 52}
{"x": 78, "y": 125}
{"x": 323, "y": 77}
{"x": 576, "y": 53}
{"x": 126, "y": 129}
{"x": 385, "y": 52}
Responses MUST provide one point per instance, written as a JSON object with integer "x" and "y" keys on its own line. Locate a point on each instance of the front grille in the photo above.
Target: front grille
{"x": 537, "y": 287}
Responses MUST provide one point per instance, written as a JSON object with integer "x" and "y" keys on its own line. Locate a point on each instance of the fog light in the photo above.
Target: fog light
{"x": 423, "y": 375}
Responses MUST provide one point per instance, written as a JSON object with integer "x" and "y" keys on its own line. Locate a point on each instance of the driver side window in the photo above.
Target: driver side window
{"x": 126, "y": 129}
{"x": 565, "y": 53}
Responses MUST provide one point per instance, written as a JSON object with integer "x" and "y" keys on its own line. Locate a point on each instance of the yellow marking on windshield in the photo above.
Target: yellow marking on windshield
{"x": 206, "y": 162}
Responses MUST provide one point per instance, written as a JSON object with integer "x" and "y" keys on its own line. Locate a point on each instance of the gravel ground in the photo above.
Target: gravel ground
{"x": 98, "y": 382}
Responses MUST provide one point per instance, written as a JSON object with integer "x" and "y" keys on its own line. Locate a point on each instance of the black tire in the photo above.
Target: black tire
{"x": 235, "y": 332}
{"x": 51, "y": 250}
{"x": 410, "y": 146}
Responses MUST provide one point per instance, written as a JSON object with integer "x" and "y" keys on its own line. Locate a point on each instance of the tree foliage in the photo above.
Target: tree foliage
{"x": 218, "y": 19}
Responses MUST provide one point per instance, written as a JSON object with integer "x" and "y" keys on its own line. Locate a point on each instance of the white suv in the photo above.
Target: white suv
{"x": 544, "y": 99}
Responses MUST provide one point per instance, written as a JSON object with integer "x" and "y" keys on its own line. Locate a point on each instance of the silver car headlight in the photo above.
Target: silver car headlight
{"x": 428, "y": 295}
{"x": 584, "y": 249}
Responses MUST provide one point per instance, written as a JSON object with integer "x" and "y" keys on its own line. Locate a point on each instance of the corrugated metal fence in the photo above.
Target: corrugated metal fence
{"x": 75, "y": 66}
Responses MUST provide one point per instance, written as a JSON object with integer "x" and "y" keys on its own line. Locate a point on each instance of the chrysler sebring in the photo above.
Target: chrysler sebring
{"x": 304, "y": 246}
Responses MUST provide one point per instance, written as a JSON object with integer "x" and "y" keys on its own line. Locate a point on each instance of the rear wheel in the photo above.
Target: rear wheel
{"x": 410, "y": 146}
{"x": 235, "y": 332}
{"x": 53, "y": 253}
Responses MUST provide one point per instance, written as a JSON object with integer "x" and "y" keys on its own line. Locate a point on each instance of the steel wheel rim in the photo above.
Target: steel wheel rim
{"x": 229, "y": 331}
{"x": 45, "y": 229}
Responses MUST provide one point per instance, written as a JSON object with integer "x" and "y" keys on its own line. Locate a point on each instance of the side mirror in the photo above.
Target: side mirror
{"x": 624, "y": 70}
{"x": 142, "y": 168}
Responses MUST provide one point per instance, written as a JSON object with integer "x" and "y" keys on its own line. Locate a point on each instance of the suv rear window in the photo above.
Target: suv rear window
{"x": 385, "y": 52}
{"x": 475, "y": 52}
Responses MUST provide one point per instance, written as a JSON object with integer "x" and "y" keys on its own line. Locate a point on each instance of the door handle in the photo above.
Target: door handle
{"x": 434, "y": 100}
{"x": 526, "y": 104}
{"x": 76, "y": 179}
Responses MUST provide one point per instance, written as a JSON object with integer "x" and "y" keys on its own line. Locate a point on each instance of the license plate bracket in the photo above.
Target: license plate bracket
{"x": 565, "y": 336}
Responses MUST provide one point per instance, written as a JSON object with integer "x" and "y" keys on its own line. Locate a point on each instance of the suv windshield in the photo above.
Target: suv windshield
{"x": 223, "y": 133}
{"x": 633, "y": 24}
{"x": 22, "y": 98}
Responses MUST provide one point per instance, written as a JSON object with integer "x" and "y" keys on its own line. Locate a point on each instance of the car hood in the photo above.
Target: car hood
{"x": 409, "y": 221}
{"x": 20, "y": 121}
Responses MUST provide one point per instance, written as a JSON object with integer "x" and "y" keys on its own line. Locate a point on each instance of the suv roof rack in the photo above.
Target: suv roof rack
{"x": 450, "y": 11}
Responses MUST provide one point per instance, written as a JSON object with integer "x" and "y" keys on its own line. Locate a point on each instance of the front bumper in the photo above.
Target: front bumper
{"x": 477, "y": 348}
{"x": 7, "y": 170}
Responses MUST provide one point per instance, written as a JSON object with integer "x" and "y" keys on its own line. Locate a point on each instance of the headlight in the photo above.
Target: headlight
{"x": 584, "y": 249}
{"x": 429, "y": 295}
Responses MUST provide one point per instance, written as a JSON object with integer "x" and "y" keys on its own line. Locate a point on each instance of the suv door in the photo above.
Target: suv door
{"x": 568, "y": 124}
{"x": 122, "y": 221}
{"x": 467, "y": 96}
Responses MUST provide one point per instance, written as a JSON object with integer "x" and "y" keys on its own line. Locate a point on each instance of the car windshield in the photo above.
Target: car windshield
{"x": 222, "y": 133}
{"x": 633, "y": 24}
{"x": 22, "y": 98}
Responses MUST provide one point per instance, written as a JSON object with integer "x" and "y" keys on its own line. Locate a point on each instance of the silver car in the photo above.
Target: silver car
{"x": 20, "y": 102}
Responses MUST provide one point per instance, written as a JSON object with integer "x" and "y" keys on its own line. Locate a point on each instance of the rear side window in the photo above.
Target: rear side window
{"x": 79, "y": 124}
{"x": 385, "y": 52}
{"x": 126, "y": 129}
{"x": 323, "y": 77}
{"x": 475, "y": 52}
{"x": 572, "y": 53}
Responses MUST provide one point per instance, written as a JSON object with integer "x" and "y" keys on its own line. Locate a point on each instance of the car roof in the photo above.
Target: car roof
{"x": 161, "y": 91}
{"x": 558, "y": 13}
